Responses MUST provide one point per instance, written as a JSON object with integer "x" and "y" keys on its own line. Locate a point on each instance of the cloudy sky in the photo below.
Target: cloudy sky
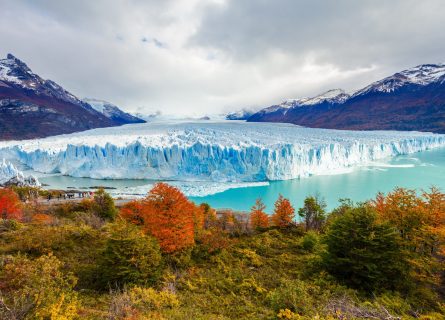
{"x": 195, "y": 57}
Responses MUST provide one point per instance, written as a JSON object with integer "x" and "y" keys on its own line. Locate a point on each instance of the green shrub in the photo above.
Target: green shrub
{"x": 130, "y": 257}
{"x": 364, "y": 253}
{"x": 310, "y": 241}
{"x": 9, "y": 225}
{"x": 294, "y": 295}
{"x": 104, "y": 205}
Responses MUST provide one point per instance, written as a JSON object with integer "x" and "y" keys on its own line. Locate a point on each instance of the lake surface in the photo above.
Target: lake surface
{"x": 418, "y": 170}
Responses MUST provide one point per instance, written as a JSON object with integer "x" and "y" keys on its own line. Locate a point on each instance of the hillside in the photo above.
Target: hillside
{"x": 165, "y": 257}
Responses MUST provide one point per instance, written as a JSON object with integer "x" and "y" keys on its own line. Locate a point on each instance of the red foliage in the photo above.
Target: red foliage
{"x": 10, "y": 206}
{"x": 132, "y": 212}
{"x": 284, "y": 213}
{"x": 258, "y": 218}
{"x": 167, "y": 215}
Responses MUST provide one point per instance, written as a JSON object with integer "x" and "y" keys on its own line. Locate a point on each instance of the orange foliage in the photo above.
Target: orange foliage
{"x": 258, "y": 218}
{"x": 10, "y": 206}
{"x": 199, "y": 216}
{"x": 42, "y": 218}
{"x": 132, "y": 212}
{"x": 284, "y": 213}
{"x": 214, "y": 239}
{"x": 420, "y": 220}
{"x": 402, "y": 208}
{"x": 167, "y": 215}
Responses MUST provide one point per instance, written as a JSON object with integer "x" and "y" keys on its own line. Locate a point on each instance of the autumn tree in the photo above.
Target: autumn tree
{"x": 420, "y": 221}
{"x": 434, "y": 210}
{"x": 199, "y": 217}
{"x": 10, "y": 206}
{"x": 258, "y": 218}
{"x": 313, "y": 213}
{"x": 132, "y": 211}
{"x": 284, "y": 213}
{"x": 402, "y": 209}
{"x": 168, "y": 215}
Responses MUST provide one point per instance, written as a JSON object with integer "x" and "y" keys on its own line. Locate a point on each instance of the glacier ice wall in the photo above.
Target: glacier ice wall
{"x": 9, "y": 174}
{"x": 206, "y": 151}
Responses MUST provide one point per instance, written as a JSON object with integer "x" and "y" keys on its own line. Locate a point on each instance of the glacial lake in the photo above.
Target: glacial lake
{"x": 418, "y": 170}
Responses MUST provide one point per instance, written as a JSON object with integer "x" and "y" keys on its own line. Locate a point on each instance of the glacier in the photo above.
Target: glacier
{"x": 220, "y": 151}
{"x": 10, "y": 175}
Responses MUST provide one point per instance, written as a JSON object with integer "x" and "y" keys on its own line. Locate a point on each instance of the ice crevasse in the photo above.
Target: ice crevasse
{"x": 212, "y": 151}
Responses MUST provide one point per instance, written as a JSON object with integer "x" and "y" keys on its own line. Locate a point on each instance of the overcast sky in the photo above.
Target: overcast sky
{"x": 196, "y": 57}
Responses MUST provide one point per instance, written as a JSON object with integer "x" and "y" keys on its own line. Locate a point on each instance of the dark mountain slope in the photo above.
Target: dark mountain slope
{"x": 413, "y": 99}
{"x": 31, "y": 107}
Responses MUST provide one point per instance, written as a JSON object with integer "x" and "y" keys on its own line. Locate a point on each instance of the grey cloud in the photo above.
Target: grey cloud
{"x": 206, "y": 56}
{"x": 347, "y": 33}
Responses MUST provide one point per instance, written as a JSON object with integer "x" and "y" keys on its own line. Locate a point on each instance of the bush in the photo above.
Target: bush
{"x": 294, "y": 295}
{"x": 36, "y": 289}
{"x": 9, "y": 225}
{"x": 104, "y": 205}
{"x": 138, "y": 302}
{"x": 364, "y": 253}
{"x": 10, "y": 206}
{"x": 130, "y": 257}
{"x": 310, "y": 241}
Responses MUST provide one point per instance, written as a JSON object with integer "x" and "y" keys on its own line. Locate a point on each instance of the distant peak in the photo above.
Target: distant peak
{"x": 16, "y": 60}
{"x": 13, "y": 61}
{"x": 421, "y": 75}
{"x": 11, "y": 57}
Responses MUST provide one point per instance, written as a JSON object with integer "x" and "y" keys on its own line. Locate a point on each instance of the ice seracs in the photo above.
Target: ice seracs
{"x": 10, "y": 175}
{"x": 212, "y": 151}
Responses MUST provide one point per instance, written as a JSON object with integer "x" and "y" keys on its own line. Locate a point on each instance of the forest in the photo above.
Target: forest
{"x": 165, "y": 257}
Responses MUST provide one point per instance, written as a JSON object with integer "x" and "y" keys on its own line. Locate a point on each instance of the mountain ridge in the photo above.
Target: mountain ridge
{"x": 32, "y": 107}
{"x": 413, "y": 99}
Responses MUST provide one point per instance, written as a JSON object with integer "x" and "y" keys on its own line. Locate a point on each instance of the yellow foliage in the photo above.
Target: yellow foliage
{"x": 287, "y": 314}
{"x": 148, "y": 299}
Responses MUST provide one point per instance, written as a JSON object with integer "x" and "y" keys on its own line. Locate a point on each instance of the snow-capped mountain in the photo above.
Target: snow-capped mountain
{"x": 422, "y": 75}
{"x": 16, "y": 72}
{"x": 332, "y": 96}
{"x": 413, "y": 99}
{"x": 112, "y": 111}
{"x": 31, "y": 106}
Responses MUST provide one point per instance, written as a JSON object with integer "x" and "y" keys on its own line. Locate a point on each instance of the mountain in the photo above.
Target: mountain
{"x": 112, "y": 112}
{"x": 32, "y": 107}
{"x": 412, "y": 99}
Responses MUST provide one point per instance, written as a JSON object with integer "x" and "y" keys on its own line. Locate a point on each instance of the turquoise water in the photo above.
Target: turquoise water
{"x": 419, "y": 170}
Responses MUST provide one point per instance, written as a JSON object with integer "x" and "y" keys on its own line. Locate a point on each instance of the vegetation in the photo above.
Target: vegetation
{"x": 258, "y": 218}
{"x": 164, "y": 257}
